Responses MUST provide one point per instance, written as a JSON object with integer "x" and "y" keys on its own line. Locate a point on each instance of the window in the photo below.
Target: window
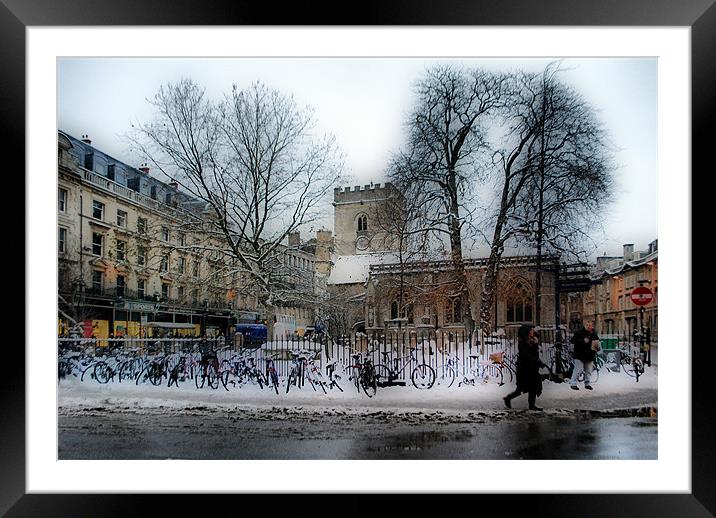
{"x": 141, "y": 256}
{"x": 133, "y": 183}
{"x": 165, "y": 234}
{"x": 182, "y": 239}
{"x": 196, "y": 269}
{"x": 394, "y": 310}
{"x": 165, "y": 291}
{"x": 153, "y": 192}
{"x": 362, "y": 223}
{"x": 195, "y": 297}
{"x": 142, "y": 225}
{"x": 120, "y": 285}
{"x": 97, "y": 244}
{"x": 168, "y": 198}
{"x": 180, "y": 292}
{"x": 180, "y": 265}
{"x": 97, "y": 209}
{"x": 121, "y": 250}
{"x": 97, "y": 281}
{"x": 140, "y": 288}
{"x": 428, "y": 312}
{"x": 110, "y": 172}
{"x": 89, "y": 161}
{"x": 62, "y": 200}
{"x": 121, "y": 218}
{"x": 453, "y": 311}
{"x": 519, "y": 304}
{"x": 164, "y": 267}
{"x": 62, "y": 240}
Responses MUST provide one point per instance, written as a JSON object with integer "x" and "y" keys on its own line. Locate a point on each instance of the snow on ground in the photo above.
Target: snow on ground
{"x": 613, "y": 390}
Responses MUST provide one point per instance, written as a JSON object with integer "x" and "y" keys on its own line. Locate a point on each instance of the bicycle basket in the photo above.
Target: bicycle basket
{"x": 497, "y": 357}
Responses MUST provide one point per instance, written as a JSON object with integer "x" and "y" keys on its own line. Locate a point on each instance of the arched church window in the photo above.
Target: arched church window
{"x": 519, "y": 304}
{"x": 362, "y": 223}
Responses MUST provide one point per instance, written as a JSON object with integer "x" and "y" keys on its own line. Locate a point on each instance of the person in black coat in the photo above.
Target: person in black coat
{"x": 528, "y": 365}
{"x": 586, "y": 345}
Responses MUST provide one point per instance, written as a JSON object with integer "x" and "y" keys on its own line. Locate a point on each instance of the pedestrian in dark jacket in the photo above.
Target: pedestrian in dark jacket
{"x": 586, "y": 345}
{"x": 528, "y": 365}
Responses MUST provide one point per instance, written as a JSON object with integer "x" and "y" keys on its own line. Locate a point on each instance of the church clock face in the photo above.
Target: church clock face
{"x": 362, "y": 243}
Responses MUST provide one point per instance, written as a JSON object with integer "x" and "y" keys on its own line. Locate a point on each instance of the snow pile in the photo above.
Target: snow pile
{"x": 613, "y": 390}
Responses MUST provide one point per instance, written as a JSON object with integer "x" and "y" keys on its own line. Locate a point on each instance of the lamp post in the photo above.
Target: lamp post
{"x": 204, "y": 314}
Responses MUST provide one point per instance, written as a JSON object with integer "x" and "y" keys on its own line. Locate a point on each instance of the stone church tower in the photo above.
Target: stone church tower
{"x": 357, "y": 230}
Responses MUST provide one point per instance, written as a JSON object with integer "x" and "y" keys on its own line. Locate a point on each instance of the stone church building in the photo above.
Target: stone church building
{"x": 381, "y": 293}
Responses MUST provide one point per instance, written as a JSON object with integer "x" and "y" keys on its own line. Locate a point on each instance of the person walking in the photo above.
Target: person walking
{"x": 528, "y": 365}
{"x": 586, "y": 344}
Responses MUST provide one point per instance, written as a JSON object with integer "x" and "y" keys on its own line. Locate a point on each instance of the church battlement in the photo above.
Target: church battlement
{"x": 361, "y": 193}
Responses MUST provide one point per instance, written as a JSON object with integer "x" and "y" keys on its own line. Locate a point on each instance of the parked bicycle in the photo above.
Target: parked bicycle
{"x": 362, "y": 373}
{"x": 271, "y": 374}
{"x": 422, "y": 376}
{"x": 211, "y": 375}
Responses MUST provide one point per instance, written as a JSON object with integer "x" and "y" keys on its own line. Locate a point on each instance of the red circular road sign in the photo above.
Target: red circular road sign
{"x": 641, "y": 296}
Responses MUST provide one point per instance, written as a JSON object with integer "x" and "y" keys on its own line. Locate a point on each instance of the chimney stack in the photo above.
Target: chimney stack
{"x": 144, "y": 168}
{"x": 86, "y": 139}
{"x": 628, "y": 252}
{"x": 174, "y": 185}
{"x": 294, "y": 239}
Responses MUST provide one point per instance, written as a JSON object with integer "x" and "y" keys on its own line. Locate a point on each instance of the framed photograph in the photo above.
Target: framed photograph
{"x": 660, "y": 64}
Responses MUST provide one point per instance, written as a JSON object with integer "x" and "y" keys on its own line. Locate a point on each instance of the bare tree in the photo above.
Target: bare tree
{"x": 399, "y": 225}
{"x": 555, "y": 175}
{"x": 253, "y": 160}
{"x": 446, "y": 130}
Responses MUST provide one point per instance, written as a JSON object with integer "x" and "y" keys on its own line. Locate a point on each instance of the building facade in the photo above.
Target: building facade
{"x": 382, "y": 289}
{"x": 609, "y": 303}
{"x": 131, "y": 260}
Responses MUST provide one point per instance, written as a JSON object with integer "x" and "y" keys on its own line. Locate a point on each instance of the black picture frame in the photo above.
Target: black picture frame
{"x": 699, "y": 15}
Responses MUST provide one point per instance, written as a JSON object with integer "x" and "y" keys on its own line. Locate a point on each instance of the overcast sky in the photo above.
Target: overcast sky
{"x": 363, "y": 102}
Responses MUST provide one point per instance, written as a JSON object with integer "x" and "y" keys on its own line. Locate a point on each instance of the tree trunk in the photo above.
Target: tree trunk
{"x": 457, "y": 259}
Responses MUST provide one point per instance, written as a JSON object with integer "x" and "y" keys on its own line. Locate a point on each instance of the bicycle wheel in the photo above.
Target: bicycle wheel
{"x": 224, "y": 378}
{"x": 312, "y": 383}
{"x": 260, "y": 379}
{"x": 382, "y": 373}
{"x": 212, "y": 378}
{"x": 156, "y": 373}
{"x": 634, "y": 367}
{"x": 102, "y": 372}
{"x": 141, "y": 376}
{"x": 495, "y": 371}
{"x": 291, "y": 379}
{"x": 199, "y": 379}
{"x": 628, "y": 367}
{"x": 423, "y": 376}
{"x": 64, "y": 368}
{"x": 125, "y": 371}
{"x": 446, "y": 375}
{"x": 368, "y": 381}
{"x": 274, "y": 380}
{"x": 89, "y": 367}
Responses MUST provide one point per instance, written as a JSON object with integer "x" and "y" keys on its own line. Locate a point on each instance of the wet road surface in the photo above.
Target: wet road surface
{"x": 279, "y": 433}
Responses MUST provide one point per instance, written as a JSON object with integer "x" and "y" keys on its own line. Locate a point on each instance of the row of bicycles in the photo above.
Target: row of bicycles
{"x": 365, "y": 371}
{"x": 224, "y": 369}
{"x": 627, "y": 358}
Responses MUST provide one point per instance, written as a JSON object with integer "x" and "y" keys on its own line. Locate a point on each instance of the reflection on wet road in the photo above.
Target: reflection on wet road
{"x": 107, "y": 435}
